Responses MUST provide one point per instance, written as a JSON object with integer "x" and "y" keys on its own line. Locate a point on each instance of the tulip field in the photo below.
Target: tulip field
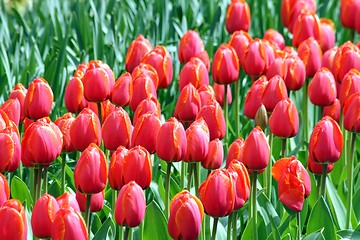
{"x": 179, "y": 119}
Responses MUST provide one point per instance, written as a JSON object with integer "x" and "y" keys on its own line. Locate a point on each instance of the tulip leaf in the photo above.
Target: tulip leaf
{"x": 20, "y": 191}
{"x": 336, "y": 206}
{"x": 271, "y": 218}
{"x": 349, "y": 234}
{"x": 320, "y": 217}
{"x": 55, "y": 188}
{"x": 155, "y": 225}
{"x": 317, "y": 235}
{"x": 106, "y": 231}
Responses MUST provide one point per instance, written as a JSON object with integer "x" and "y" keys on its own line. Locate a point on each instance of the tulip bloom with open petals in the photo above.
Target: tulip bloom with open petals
{"x": 225, "y": 65}
{"x": 322, "y": 88}
{"x": 188, "y": 103}
{"x": 311, "y": 54}
{"x": 137, "y": 50}
{"x": 241, "y": 182}
{"x": 130, "y": 205}
{"x": 237, "y": 16}
{"x": 294, "y": 184}
{"x": 190, "y": 46}
{"x": 194, "y": 72}
{"x": 186, "y": 215}
{"x": 240, "y": 41}
{"x": 198, "y": 138}
{"x": 120, "y": 95}
{"x": 352, "y": 113}
{"x": 326, "y": 141}
{"x": 13, "y": 221}
{"x": 253, "y": 99}
{"x": 4, "y": 190}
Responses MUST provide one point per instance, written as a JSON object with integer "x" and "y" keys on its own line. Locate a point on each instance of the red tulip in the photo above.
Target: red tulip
{"x": 136, "y": 51}
{"x": 219, "y": 92}
{"x": 150, "y": 104}
{"x": 74, "y": 96}
{"x": 326, "y": 141}
{"x": 322, "y": 88}
{"x": 13, "y": 109}
{"x": 13, "y": 220}
{"x": 85, "y": 129}
{"x": 225, "y": 65}
{"x": 194, "y": 72}
{"x": 39, "y": 99}
{"x": 317, "y": 168}
{"x": 351, "y": 113}
{"x": 311, "y": 54}
{"x": 190, "y": 46}
{"x": 81, "y": 69}
{"x": 328, "y": 58}
{"x": 148, "y": 70}
{"x": 120, "y": 95}
{"x": 350, "y": 84}
{"x": 68, "y": 199}
{"x": 130, "y": 205}
{"x": 10, "y": 149}
{"x": 204, "y": 56}
{"x": 217, "y": 193}
{"x": 96, "y": 201}
{"x": 294, "y": 184}
{"x": 137, "y": 167}
{"x": 274, "y": 92}
{"x": 235, "y": 151}
{"x": 237, "y": 16}
{"x": 115, "y": 168}
{"x": 241, "y": 182}
{"x": 4, "y": 190}
{"x": 207, "y": 94}
{"x": 141, "y": 88}
{"x": 171, "y": 142}
{"x": 253, "y": 99}
{"x": 346, "y": 58}
{"x": 19, "y": 92}
{"x": 186, "y": 215}
{"x": 291, "y": 9}
{"x": 333, "y": 110}
{"x": 215, "y": 155}
{"x": 64, "y": 124}
{"x": 240, "y": 41}
{"x": 197, "y": 138}
{"x": 307, "y": 25}
{"x": 160, "y": 59}
{"x": 188, "y": 103}
{"x": 275, "y": 38}
{"x": 327, "y": 34}
{"x": 349, "y": 9}
{"x": 69, "y": 224}
{"x": 90, "y": 173}
{"x": 118, "y": 121}
{"x": 43, "y": 215}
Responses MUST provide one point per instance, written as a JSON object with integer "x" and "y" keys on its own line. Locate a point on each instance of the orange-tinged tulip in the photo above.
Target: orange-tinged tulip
{"x": 10, "y": 149}
{"x": 39, "y": 99}
{"x": 204, "y": 56}
{"x": 307, "y": 25}
{"x": 137, "y": 167}
{"x": 215, "y": 155}
{"x": 160, "y": 59}
{"x": 69, "y": 224}
{"x": 322, "y": 88}
{"x": 117, "y": 122}
{"x": 13, "y": 109}
{"x": 275, "y": 38}
{"x": 350, "y": 84}
{"x": 130, "y": 205}
{"x": 256, "y": 150}
{"x": 120, "y": 95}
{"x": 317, "y": 168}
{"x": 197, "y": 138}
{"x": 64, "y": 124}
{"x": 328, "y": 58}
{"x": 150, "y": 104}
{"x": 284, "y": 120}
{"x": 4, "y": 190}
{"x": 311, "y": 54}
{"x": 274, "y": 92}
{"x": 188, "y": 103}
{"x": 326, "y": 141}
{"x": 90, "y": 173}
{"x": 240, "y": 41}
{"x": 186, "y": 215}
{"x": 333, "y": 110}
{"x": 327, "y": 34}
{"x": 171, "y": 142}
{"x": 237, "y": 16}
{"x": 207, "y": 94}
{"x": 19, "y": 92}
{"x": 115, "y": 168}
{"x": 219, "y": 92}
{"x": 225, "y": 65}
{"x": 291, "y": 9}
{"x": 141, "y": 88}
{"x": 43, "y": 215}
{"x": 13, "y": 221}
{"x": 136, "y": 51}
{"x": 235, "y": 151}
{"x": 148, "y": 70}
{"x": 217, "y": 193}
{"x": 349, "y": 9}
{"x": 68, "y": 199}
{"x": 96, "y": 201}
{"x": 253, "y": 99}
{"x": 241, "y": 182}
{"x": 190, "y": 46}
{"x": 351, "y": 113}
{"x": 346, "y": 58}
{"x": 85, "y": 129}
{"x": 81, "y": 69}
{"x": 194, "y": 72}
{"x": 74, "y": 96}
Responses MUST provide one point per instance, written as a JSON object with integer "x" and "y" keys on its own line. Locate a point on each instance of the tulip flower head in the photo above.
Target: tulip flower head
{"x": 13, "y": 109}
{"x": 275, "y": 38}
{"x": 64, "y": 124}
{"x": 96, "y": 201}
{"x": 310, "y": 52}
{"x": 240, "y": 41}
{"x": 215, "y": 155}
{"x": 322, "y": 88}
{"x": 4, "y": 190}
{"x": 136, "y": 51}
{"x": 253, "y": 99}
{"x": 194, "y": 72}
{"x": 225, "y": 65}
{"x": 188, "y": 104}
{"x": 120, "y": 95}
{"x": 150, "y": 104}
{"x": 237, "y": 16}
{"x": 115, "y": 168}
{"x": 327, "y": 34}
{"x": 19, "y": 92}
{"x": 333, "y": 110}
{"x": 350, "y": 84}
{"x": 235, "y": 151}
{"x": 68, "y": 199}
{"x": 346, "y": 58}
{"x": 351, "y": 113}
{"x": 198, "y": 138}
{"x": 190, "y": 46}
{"x": 317, "y": 168}
{"x": 307, "y": 25}
{"x": 13, "y": 220}
{"x": 274, "y": 92}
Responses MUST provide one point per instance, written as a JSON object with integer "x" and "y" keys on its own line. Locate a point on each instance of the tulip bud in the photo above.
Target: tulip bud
{"x": 333, "y": 110}
{"x": 197, "y": 138}
{"x": 225, "y": 65}
{"x": 13, "y": 109}
{"x": 307, "y": 25}
{"x": 217, "y": 193}
{"x": 241, "y": 182}
{"x": 261, "y": 117}
{"x": 275, "y": 38}
{"x": 68, "y": 224}
{"x": 190, "y": 46}
{"x": 19, "y": 92}
{"x": 68, "y": 199}
{"x": 346, "y": 58}
{"x": 148, "y": 70}
{"x": 74, "y": 96}
{"x": 317, "y": 168}
{"x": 115, "y": 168}
{"x": 43, "y": 216}
{"x": 350, "y": 84}
{"x": 240, "y": 41}
{"x": 219, "y": 92}
{"x": 39, "y": 99}
{"x": 348, "y": 13}
{"x": 13, "y": 220}
{"x": 327, "y": 34}
{"x": 328, "y": 59}
{"x": 150, "y": 104}
{"x": 207, "y": 94}
{"x": 274, "y": 92}
{"x": 326, "y": 141}
{"x": 290, "y": 10}
{"x": 194, "y": 72}
{"x": 311, "y": 54}
{"x": 186, "y": 215}
{"x": 96, "y": 201}
{"x": 237, "y": 16}
{"x": 141, "y": 88}
{"x": 120, "y": 95}
{"x": 4, "y": 190}
{"x": 10, "y": 149}
{"x": 322, "y": 88}
{"x": 351, "y": 113}
{"x": 188, "y": 104}
{"x": 215, "y": 155}
{"x": 64, "y": 124}
{"x": 136, "y": 51}
{"x": 253, "y": 99}
{"x": 235, "y": 151}
{"x": 90, "y": 173}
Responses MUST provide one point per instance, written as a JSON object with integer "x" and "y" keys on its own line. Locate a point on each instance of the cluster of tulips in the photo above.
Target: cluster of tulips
{"x": 117, "y": 128}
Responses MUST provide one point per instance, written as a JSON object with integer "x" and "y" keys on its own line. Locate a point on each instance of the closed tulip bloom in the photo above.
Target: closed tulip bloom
{"x": 64, "y": 124}
{"x": 217, "y": 193}
{"x": 351, "y": 113}
{"x": 41, "y": 143}
{"x": 148, "y": 70}
{"x": 348, "y": 12}
{"x": 326, "y": 141}
{"x": 190, "y": 46}
{"x": 294, "y": 184}
{"x": 68, "y": 199}
{"x": 346, "y": 58}
{"x": 137, "y": 167}
{"x": 215, "y": 155}
{"x": 311, "y": 54}
{"x": 130, "y": 205}
{"x": 43, "y": 216}
{"x": 274, "y": 92}
{"x": 219, "y": 92}
{"x": 204, "y": 56}
{"x": 186, "y": 215}
{"x": 333, "y": 110}
{"x": 258, "y": 57}
{"x": 13, "y": 220}
{"x": 322, "y": 88}
{"x": 291, "y": 9}
{"x": 137, "y": 50}
{"x": 171, "y": 142}
{"x": 235, "y": 151}
{"x": 39, "y": 99}
{"x": 188, "y": 104}
{"x": 237, "y": 16}
{"x": 4, "y": 190}
{"x": 13, "y": 109}
{"x": 256, "y": 150}
{"x": 277, "y": 67}
{"x": 316, "y": 168}
{"x": 19, "y": 92}
{"x": 241, "y": 182}
{"x": 150, "y": 104}
{"x": 74, "y": 96}
{"x": 118, "y": 121}
{"x": 328, "y": 58}
{"x": 115, "y": 168}
{"x": 197, "y": 138}
{"x": 349, "y": 85}
{"x": 160, "y": 59}
{"x": 327, "y": 34}
{"x": 253, "y": 99}
{"x": 240, "y": 41}
{"x": 225, "y": 65}
{"x": 295, "y": 74}
{"x": 141, "y": 88}
{"x": 69, "y": 224}
{"x": 275, "y": 38}
{"x": 284, "y": 120}
{"x": 81, "y": 69}
{"x": 96, "y": 201}
{"x": 10, "y": 149}
{"x": 120, "y": 95}
{"x": 307, "y": 25}
{"x": 90, "y": 173}
{"x": 194, "y": 72}
{"x": 145, "y": 131}
{"x": 207, "y": 94}
{"x": 214, "y": 118}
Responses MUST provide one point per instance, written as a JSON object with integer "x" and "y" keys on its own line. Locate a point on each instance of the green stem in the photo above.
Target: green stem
{"x": 113, "y": 202}
{"x": 182, "y": 177}
{"x": 38, "y": 185}
{"x": 99, "y": 112}
{"x": 88, "y": 213}
{"x": 323, "y": 181}
{"x": 63, "y": 164}
{"x": 167, "y": 192}
{"x": 237, "y": 104}
{"x": 253, "y": 204}
{"x": 213, "y": 234}
{"x": 283, "y": 148}
{"x": 33, "y": 179}
{"x": 234, "y": 233}
{"x": 196, "y": 170}
{"x": 126, "y": 233}
{"x": 268, "y": 176}
{"x": 305, "y": 115}
{"x": 190, "y": 170}
{"x": 226, "y": 110}
{"x": 228, "y": 231}
{"x": 45, "y": 182}
{"x": 119, "y": 230}
{"x": 141, "y": 229}
{"x": 298, "y": 222}
{"x": 350, "y": 168}
{"x": 318, "y": 183}
{"x": 207, "y": 226}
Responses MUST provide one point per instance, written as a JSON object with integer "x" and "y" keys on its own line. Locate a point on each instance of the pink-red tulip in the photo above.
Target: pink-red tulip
{"x": 136, "y": 51}
{"x": 333, "y": 110}
{"x": 141, "y": 88}
{"x": 115, "y": 168}
{"x": 240, "y": 41}
{"x": 120, "y": 95}
{"x": 150, "y": 104}
{"x": 235, "y": 151}
{"x": 194, "y": 72}
{"x": 275, "y": 38}
{"x": 253, "y": 99}
{"x": 68, "y": 199}
{"x": 346, "y": 58}
{"x": 291, "y": 9}
{"x": 215, "y": 155}
{"x": 322, "y": 88}
{"x": 19, "y": 92}
{"x": 10, "y": 149}
{"x": 241, "y": 182}
{"x": 274, "y": 92}
{"x": 64, "y": 124}
{"x": 351, "y": 113}
{"x": 4, "y": 190}
{"x": 13, "y": 221}
{"x": 148, "y": 70}
{"x": 317, "y": 168}
{"x": 237, "y": 16}
{"x": 311, "y": 54}
{"x": 190, "y": 46}
{"x": 207, "y": 94}
{"x": 307, "y": 25}
{"x": 198, "y": 138}
{"x": 350, "y": 84}
{"x": 349, "y": 9}
{"x": 13, "y": 109}
{"x": 327, "y": 34}
{"x": 225, "y": 65}
{"x": 74, "y": 96}
{"x": 96, "y": 201}
{"x": 204, "y": 56}
{"x": 188, "y": 103}
{"x": 328, "y": 58}
{"x": 219, "y": 92}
